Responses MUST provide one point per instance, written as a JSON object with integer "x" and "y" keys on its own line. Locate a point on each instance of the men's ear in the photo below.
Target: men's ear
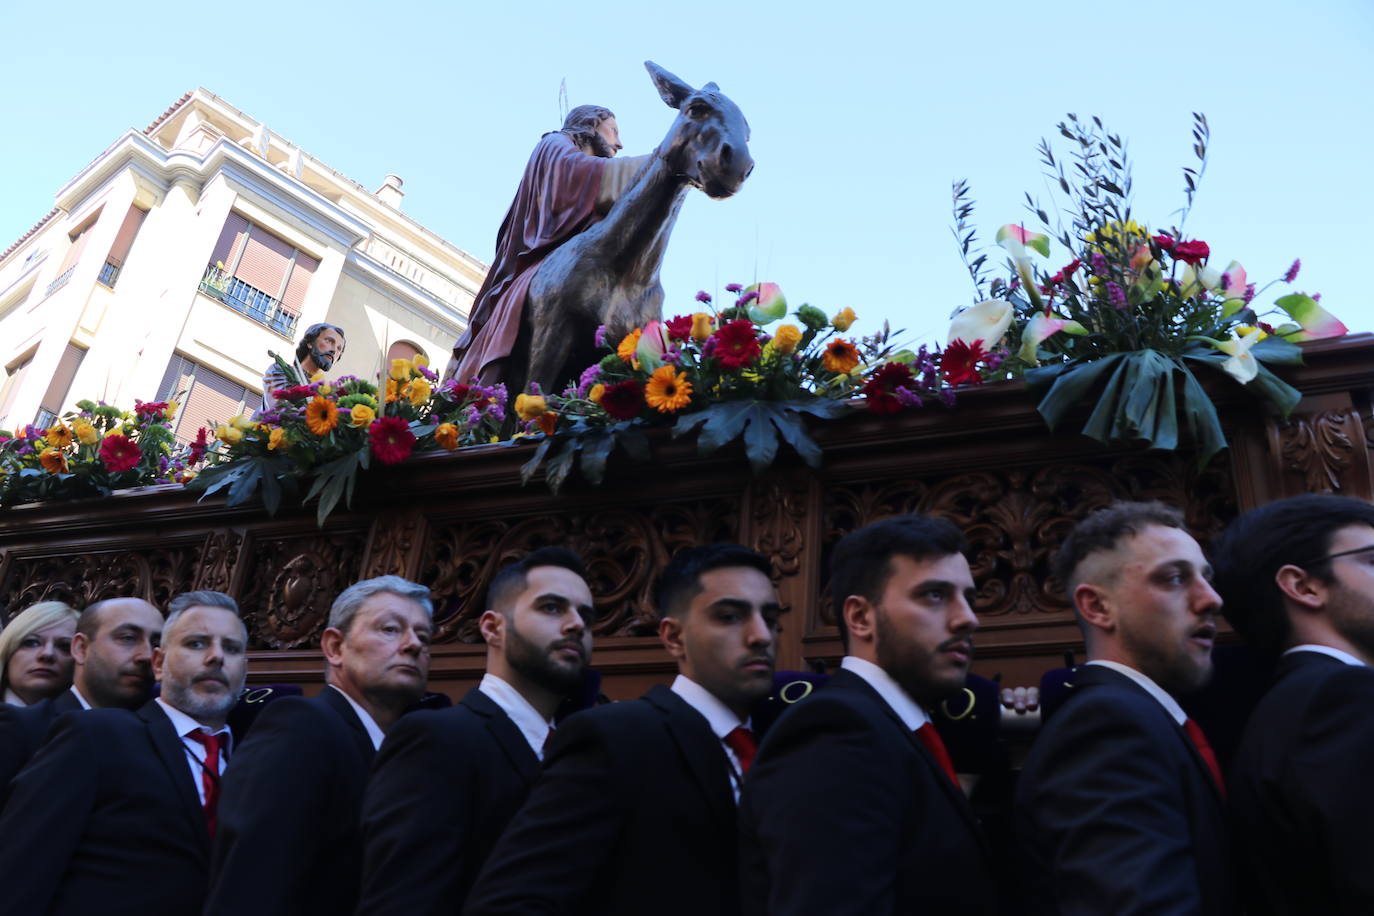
{"x": 670, "y": 634}
{"x": 159, "y": 656}
{"x": 672, "y": 90}
{"x": 1093, "y": 607}
{"x": 860, "y": 618}
{"x": 331, "y": 644}
{"x": 492, "y": 626}
{"x": 81, "y": 646}
{"x": 1301, "y": 587}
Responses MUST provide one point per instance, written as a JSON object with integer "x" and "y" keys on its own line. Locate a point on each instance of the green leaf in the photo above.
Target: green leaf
{"x": 635, "y": 443}
{"x": 794, "y": 431}
{"x": 1201, "y": 416}
{"x": 1071, "y": 386}
{"x": 558, "y": 467}
{"x": 1104, "y": 421}
{"x": 1277, "y": 351}
{"x": 529, "y": 467}
{"x": 760, "y": 439}
{"x": 246, "y": 483}
{"x": 596, "y": 449}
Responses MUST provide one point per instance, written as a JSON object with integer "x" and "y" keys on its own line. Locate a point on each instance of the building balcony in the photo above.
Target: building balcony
{"x": 61, "y": 280}
{"x": 219, "y": 284}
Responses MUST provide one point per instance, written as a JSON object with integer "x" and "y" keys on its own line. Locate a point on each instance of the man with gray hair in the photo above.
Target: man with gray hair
{"x": 294, "y": 794}
{"x": 123, "y": 805}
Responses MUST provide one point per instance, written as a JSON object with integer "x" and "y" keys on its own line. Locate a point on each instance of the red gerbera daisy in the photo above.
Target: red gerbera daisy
{"x": 880, "y": 390}
{"x": 120, "y": 453}
{"x": 680, "y": 328}
{"x": 960, "y": 363}
{"x": 624, "y": 400}
{"x": 737, "y": 344}
{"x": 392, "y": 440}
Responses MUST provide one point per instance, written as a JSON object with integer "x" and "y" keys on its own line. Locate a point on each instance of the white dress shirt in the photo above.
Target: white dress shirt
{"x": 533, "y": 726}
{"x": 1169, "y": 703}
{"x": 12, "y": 698}
{"x": 907, "y": 709}
{"x": 195, "y": 751}
{"x": 374, "y": 731}
{"x": 1338, "y": 654}
{"x": 721, "y": 720}
{"x": 79, "y": 698}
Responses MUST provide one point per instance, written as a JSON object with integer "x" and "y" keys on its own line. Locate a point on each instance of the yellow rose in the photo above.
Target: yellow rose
{"x": 701, "y": 327}
{"x": 419, "y": 391}
{"x": 85, "y": 433}
{"x": 326, "y": 388}
{"x": 277, "y": 439}
{"x": 786, "y": 339}
{"x": 401, "y": 369}
{"x": 362, "y": 415}
{"x": 242, "y": 422}
{"x": 420, "y": 360}
{"x": 595, "y": 394}
{"x": 844, "y": 319}
{"x": 529, "y": 406}
{"x": 229, "y": 435}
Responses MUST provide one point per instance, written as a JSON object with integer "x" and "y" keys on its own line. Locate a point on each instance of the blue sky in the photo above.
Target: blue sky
{"x": 862, "y": 114}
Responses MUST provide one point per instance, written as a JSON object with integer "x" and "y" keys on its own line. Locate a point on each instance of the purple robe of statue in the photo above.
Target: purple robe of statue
{"x": 556, "y": 200}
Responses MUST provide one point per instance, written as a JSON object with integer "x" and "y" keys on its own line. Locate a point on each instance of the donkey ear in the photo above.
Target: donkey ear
{"x": 671, "y": 89}
{"x": 711, "y": 87}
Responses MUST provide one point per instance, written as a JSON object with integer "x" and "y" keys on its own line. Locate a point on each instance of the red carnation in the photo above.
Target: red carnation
{"x": 199, "y": 447}
{"x": 458, "y": 394}
{"x": 1165, "y": 242}
{"x": 391, "y": 438}
{"x": 142, "y": 407}
{"x": 882, "y": 386}
{"x": 624, "y": 400}
{"x": 1192, "y": 252}
{"x": 737, "y": 344}
{"x": 120, "y": 453}
{"x": 960, "y": 363}
{"x": 294, "y": 393}
{"x": 680, "y": 328}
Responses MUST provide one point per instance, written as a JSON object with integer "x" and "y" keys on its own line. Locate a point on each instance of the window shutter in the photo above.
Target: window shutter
{"x": 264, "y": 262}
{"x": 213, "y": 400}
{"x": 230, "y": 241}
{"x": 10, "y": 390}
{"x": 74, "y": 252}
{"x": 297, "y": 283}
{"x": 119, "y": 252}
{"x": 61, "y": 383}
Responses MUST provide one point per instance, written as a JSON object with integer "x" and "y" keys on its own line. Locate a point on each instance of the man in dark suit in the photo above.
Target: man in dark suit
{"x": 635, "y": 810}
{"x": 1298, "y": 579}
{"x": 1119, "y": 805}
{"x": 446, "y": 783}
{"x": 113, "y": 655}
{"x": 854, "y": 806}
{"x": 289, "y": 840}
{"x": 114, "y": 813}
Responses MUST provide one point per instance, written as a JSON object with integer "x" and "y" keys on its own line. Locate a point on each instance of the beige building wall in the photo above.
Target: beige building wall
{"x": 381, "y": 276}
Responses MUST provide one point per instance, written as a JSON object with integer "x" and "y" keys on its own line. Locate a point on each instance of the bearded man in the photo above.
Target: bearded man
{"x": 571, "y": 181}
{"x": 320, "y": 348}
{"x": 426, "y": 838}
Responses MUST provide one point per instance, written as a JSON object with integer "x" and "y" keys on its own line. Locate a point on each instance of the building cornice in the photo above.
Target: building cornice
{"x": 370, "y": 272}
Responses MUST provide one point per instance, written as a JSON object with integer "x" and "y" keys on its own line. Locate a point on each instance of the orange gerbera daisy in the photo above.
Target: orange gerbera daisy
{"x": 446, "y": 435}
{"x": 668, "y": 390}
{"x": 53, "y": 461}
{"x": 840, "y": 356}
{"x": 629, "y": 345}
{"x": 547, "y": 422}
{"x": 321, "y": 416}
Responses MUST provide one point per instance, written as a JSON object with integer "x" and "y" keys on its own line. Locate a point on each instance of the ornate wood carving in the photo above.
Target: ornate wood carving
{"x": 218, "y": 559}
{"x": 295, "y": 580}
{"x": 155, "y": 574}
{"x": 1319, "y": 447}
{"x": 623, "y": 549}
{"x": 778, "y": 515}
{"x": 395, "y": 538}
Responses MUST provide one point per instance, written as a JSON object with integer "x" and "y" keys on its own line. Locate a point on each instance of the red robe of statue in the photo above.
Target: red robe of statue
{"x": 556, "y": 200}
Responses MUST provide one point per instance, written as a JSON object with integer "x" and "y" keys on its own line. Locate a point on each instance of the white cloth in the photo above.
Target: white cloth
{"x": 13, "y": 699}
{"x": 907, "y": 709}
{"x": 374, "y": 731}
{"x": 195, "y": 751}
{"x": 718, "y": 716}
{"x": 533, "y": 726}
{"x": 1169, "y": 703}
{"x": 79, "y": 698}
{"x": 1338, "y": 654}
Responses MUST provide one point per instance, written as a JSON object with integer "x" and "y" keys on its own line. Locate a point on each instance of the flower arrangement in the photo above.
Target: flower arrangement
{"x": 724, "y": 375}
{"x": 1132, "y": 312}
{"x": 93, "y": 451}
{"x": 325, "y": 432}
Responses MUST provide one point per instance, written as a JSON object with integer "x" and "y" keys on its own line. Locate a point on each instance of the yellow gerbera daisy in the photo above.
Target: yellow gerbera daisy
{"x": 668, "y": 390}
{"x": 59, "y": 436}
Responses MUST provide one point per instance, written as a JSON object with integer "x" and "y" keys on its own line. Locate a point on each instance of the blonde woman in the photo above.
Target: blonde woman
{"x": 36, "y": 653}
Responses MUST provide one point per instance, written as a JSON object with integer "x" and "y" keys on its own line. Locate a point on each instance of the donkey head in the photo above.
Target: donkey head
{"x": 709, "y": 142}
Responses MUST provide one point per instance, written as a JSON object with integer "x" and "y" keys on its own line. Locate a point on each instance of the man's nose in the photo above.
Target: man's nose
{"x": 962, "y": 618}
{"x": 1205, "y": 598}
{"x": 759, "y": 632}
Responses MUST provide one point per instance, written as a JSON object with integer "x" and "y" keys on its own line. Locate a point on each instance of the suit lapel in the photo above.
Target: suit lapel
{"x": 703, "y": 751}
{"x": 171, "y": 751}
{"x": 336, "y": 701}
{"x": 848, "y": 680}
{"x": 504, "y": 732}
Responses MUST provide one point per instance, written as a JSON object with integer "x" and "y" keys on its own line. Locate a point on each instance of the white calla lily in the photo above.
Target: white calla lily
{"x": 1242, "y": 366}
{"x": 987, "y": 321}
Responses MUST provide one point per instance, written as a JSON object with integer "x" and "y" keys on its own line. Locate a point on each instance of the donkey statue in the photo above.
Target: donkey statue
{"x": 608, "y": 274}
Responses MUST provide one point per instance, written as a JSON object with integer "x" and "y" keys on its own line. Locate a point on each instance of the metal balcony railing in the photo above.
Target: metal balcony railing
{"x": 251, "y": 301}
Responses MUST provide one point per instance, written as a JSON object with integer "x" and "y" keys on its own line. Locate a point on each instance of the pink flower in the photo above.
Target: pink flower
{"x": 703, "y": 296}
{"x": 1293, "y": 271}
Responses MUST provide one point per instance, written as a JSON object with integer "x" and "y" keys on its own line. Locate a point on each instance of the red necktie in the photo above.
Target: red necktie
{"x": 928, "y": 736}
{"x": 209, "y": 783}
{"x": 1209, "y": 756}
{"x": 741, "y": 740}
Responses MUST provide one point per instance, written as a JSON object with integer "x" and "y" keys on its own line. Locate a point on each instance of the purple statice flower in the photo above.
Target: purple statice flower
{"x": 345, "y": 413}
{"x": 587, "y": 379}
{"x": 703, "y": 297}
{"x": 33, "y": 432}
{"x": 994, "y": 360}
{"x": 472, "y": 416}
{"x": 536, "y": 390}
{"x": 929, "y": 378}
{"x": 1293, "y": 271}
{"x": 428, "y": 373}
{"x": 908, "y": 398}
{"x": 947, "y": 397}
{"x": 600, "y": 338}
{"x": 673, "y": 357}
{"x": 733, "y": 287}
{"x": 272, "y": 417}
{"x": 24, "y": 448}
{"x": 747, "y": 298}
{"x": 497, "y": 411}
{"x": 163, "y": 464}
{"x": 1115, "y": 295}
{"x": 709, "y": 347}
{"x": 1249, "y": 292}
{"x": 1099, "y": 263}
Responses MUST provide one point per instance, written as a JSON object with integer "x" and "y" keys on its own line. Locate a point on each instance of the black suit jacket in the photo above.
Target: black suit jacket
{"x": 634, "y": 814}
{"x": 289, "y": 841}
{"x": 1117, "y": 812}
{"x": 22, "y": 731}
{"x": 105, "y": 819}
{"x": 444, "y": 786}
{"x": 844, "y": 811}
{"x": 1301, "y": 800}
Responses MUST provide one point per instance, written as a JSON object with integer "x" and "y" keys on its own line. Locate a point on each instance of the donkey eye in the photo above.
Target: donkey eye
{"x": 698, "y": 110}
